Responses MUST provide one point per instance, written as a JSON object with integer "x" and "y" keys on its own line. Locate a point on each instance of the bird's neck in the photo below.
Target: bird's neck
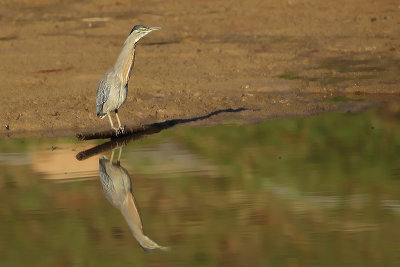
{"x": 124, "y": 64}
{"x": 131, "y": 213}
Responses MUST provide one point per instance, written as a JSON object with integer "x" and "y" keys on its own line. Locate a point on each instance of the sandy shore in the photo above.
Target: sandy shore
{"x": 273, "y": 58}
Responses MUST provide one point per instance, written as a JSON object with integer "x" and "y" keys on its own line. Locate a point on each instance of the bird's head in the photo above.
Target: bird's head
{"x": 139, "y": 31}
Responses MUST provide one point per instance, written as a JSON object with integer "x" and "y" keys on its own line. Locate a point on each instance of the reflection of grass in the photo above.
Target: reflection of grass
{"x": 309, "y": 189}
{"x": 26, "y": 144}
{"x": 321, "y": 140}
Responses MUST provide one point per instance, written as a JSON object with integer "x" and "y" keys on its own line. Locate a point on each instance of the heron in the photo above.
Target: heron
{"x": 113, "y": 86}
{"x": 117, "y": 188}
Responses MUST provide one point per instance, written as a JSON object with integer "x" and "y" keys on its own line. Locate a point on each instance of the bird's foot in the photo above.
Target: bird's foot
{"x": 122, "y": 129}
{"x": 117, "y": 131}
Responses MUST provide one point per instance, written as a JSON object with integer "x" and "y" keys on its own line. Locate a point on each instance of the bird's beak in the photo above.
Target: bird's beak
{"x": 154, "y": 28}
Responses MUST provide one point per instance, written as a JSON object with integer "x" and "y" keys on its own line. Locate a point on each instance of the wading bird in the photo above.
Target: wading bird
{"x": 117, "y": 188}
{"x": 113, "y": 87}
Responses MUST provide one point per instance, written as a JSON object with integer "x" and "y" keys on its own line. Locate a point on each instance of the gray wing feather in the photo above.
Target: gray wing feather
{"x": 106, "y": 183}
{"x": 103, "y": 91}
{"x": 105, "y": 179}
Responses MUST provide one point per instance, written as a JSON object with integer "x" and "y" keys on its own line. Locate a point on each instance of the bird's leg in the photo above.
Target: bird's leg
{"x": 112, "y": 124}
{"x": 119, "y": 155}
{"x": 119, "y": 122}
{"x": 122, "y": 129}
{"x": 112, "y": 155}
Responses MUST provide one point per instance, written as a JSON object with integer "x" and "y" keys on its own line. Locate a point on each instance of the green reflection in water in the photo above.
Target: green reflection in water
{"x": 319, "y": 191}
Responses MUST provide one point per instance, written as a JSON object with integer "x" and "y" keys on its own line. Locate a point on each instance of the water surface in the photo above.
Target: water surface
{"x": 318, "y": 191}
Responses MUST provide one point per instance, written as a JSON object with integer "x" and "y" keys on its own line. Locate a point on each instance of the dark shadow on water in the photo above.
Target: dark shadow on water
{"x": 132, "y": 134}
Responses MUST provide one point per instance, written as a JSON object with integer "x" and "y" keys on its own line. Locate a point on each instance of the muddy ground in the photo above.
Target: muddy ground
{"x": 274, "y": 58}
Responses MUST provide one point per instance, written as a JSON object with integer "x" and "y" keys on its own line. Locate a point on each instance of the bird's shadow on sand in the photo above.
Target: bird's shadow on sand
{"x": 135, "y": 133}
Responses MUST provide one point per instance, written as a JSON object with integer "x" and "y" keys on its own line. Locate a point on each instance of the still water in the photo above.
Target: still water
{"x": 317, "y": 191}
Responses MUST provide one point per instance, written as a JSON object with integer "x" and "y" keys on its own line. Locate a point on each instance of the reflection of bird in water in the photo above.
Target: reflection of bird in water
{"x": 113, "y": 87}
{"x": 117, "y": 188}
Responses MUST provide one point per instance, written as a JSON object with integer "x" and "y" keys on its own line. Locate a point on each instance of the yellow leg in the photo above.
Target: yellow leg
{"x": 112, "y": 124}
{"x": 122, "y": 129}
{"x": 119, "y": 155}
{"x": 119, "y": 122}
{"x": 112, "y": 155}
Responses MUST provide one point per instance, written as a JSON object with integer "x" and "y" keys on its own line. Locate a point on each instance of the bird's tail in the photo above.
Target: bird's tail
{"x": 99, "y": 110}
{"x": 101, "y": 115}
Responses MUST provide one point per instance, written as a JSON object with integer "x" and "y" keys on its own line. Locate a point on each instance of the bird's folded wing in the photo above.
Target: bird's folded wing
{"x": 103, "y": 91}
